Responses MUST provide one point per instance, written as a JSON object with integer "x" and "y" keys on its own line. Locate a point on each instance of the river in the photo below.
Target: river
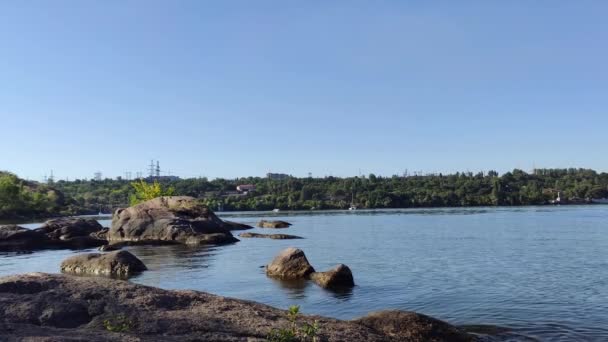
{"x": 540, "y": 271}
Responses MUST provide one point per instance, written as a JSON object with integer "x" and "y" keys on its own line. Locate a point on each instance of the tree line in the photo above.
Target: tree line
{"x": 460, "y": 189}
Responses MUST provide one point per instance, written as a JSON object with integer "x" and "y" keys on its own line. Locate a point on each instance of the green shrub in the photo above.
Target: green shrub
{"x": 306, "y": 332}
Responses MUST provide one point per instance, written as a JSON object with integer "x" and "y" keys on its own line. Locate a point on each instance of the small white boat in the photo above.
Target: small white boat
{"x": 352, "y": 207}
{"x": 276, "y": 210}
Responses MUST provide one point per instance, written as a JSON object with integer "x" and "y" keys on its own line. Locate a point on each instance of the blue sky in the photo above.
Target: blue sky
{"x": 238, "y": 88}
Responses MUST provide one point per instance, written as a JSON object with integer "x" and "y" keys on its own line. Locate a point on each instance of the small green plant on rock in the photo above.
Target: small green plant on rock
{"x": 307, "y": 332}
{"x": 119, "y": 323}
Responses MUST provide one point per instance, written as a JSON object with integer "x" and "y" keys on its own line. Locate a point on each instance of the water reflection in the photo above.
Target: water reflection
{"x": 295, "y": 288}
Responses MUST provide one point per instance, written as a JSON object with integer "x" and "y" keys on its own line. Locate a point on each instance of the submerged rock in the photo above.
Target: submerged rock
{"x": 119, "y": 263}
{"x": 169, "y": 219}
{"x": 53, "y": 307}
{"x": 273, "y": 224}
{"x": 336, "y": 278}
{"x": 411, "y": 326}
{"x": 270, "y": 236}
{"x": 290, "y": 263}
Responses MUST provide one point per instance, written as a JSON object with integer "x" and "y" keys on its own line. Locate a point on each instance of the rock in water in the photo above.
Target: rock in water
{"x": 291, "y": 263}
{"x": 273, "y": 224}
{"x": 169, "y": 219}
{"x": 270, "y": 236}
{"x": 411, "y": 326}
{"x": 119, "y": 263}
{"x": 56, "y": 233}
{"x": 336, "y": 278}
{"x": 73, "y": 232}
{"x": 18, "y": 238}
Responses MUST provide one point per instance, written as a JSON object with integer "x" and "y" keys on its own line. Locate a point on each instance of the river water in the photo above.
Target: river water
{"x": 540, "y": 271}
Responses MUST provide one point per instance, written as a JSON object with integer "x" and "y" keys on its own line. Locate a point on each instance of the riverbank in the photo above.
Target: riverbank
{"x": 38, "y": 306}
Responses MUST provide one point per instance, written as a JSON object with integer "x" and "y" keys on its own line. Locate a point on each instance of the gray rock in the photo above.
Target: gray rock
{"x": 14, "y": 237}
{"x": 270, "y": 236}
{"x": 336, "y": 278}
{"x": 56, "y": 233}
{"x": 273, "y": 224}
{"x": 290, "y": 263}
{"x": 118, "y": 263}
{"x": 411, "y": 326}
{"x": 53, "y": 307}
{"x": 177, "y": 219}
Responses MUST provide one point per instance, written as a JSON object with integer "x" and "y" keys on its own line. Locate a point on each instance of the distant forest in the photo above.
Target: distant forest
{"x": 26, "y": 199}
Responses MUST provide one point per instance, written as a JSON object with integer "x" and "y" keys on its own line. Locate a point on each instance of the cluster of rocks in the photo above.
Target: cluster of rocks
{"x": 164, "y": 220}
{"x": 71, "y": 233}
{"x": 47, "y": 307}
{"x": 63, "y": 307}
{"x": 292, "y": 264}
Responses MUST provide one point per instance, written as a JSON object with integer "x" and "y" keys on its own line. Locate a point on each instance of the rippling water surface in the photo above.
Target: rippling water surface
{"x": 540, "y": 271}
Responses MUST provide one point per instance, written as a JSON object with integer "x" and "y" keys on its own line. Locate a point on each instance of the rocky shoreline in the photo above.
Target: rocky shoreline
{"x": 70, "y": 307}
{"x": 51, "y": 307}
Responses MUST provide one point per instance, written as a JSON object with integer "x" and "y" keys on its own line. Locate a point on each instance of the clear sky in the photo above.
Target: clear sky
{"x": 238, "y": 88}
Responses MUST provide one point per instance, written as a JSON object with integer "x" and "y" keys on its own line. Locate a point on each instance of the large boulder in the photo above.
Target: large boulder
{"x": 273, "y": 224}
{"x": 53, "y": 307}
{"x": 338, "y": 277}
{"x": 269, "y": 236}
{"x": 119, "y": 263}
{"x": 14, "y": 237}
{"x": 290, "y": 263}
{"x": 411, "y": 326}
{"x": 169, "y": 219}
{"x": 73, "y": 232}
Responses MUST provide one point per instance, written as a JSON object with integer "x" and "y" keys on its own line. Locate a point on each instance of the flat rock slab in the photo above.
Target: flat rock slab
{"x": 119, "y": 263}
{"x": 273, "y": 224}
{"x": 270, "y": 236}
{"x": 54, "y": 307}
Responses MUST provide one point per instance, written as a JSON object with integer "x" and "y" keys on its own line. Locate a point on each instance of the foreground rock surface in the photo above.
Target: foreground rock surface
{"x": 273, "y": 224}
{"x": 270, "y": 236}
{"x": 56, "y": 233}
{"x": 47, "y": 307}
{"x": 170, "y": 219}
{"x": 410, "y": 326}
{"x": 290, "y": 263}
{"x": 336, "y": 278}
{"x": 119, "y": 263}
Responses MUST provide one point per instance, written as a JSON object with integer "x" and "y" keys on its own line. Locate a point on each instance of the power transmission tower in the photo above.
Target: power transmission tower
{"x": 157, "y": 169}
{"x": 151, "y": 168}
{"x": 138, "y": 175}
{"x": 128, "y": 175}
{"x": 51, "y": 179}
